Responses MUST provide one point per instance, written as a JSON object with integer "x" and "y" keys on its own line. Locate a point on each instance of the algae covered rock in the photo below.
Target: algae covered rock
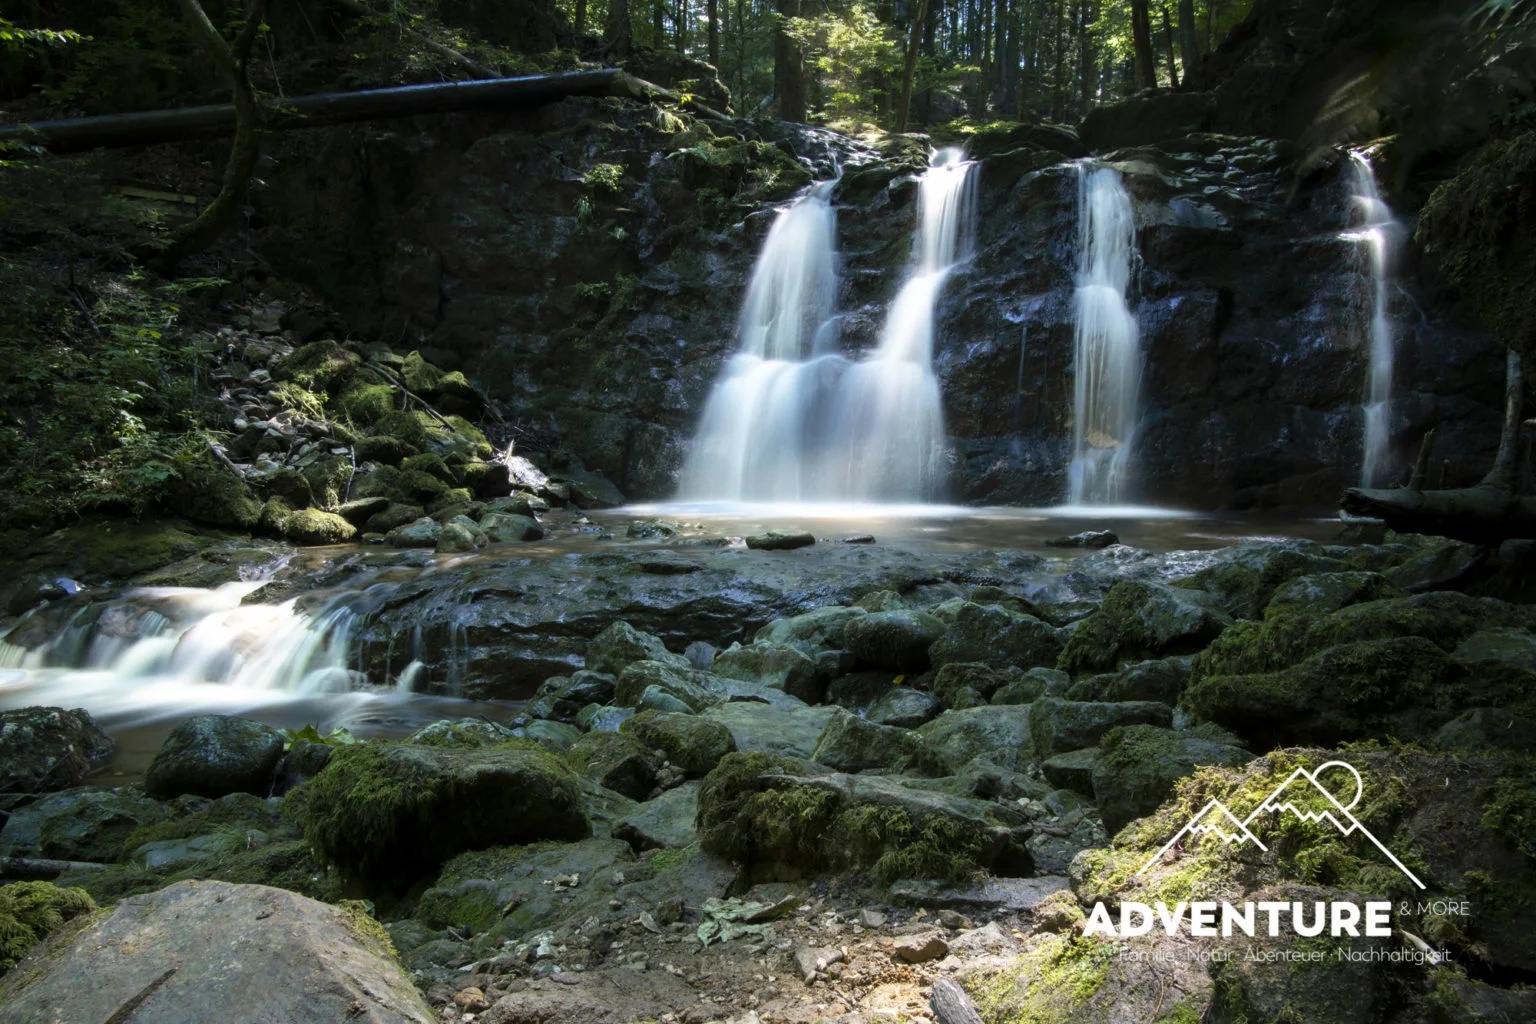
{"x": 851, "y": 744}
{"x": 783, "y": 818}
{"x": 1140, "y": 620}
{"x": 84, "y": 824}
{"x": 642, "y": 682}
{"x": 1061, "y": 725}
{"x": 998, "y": 735}
{"x": 45, "y": 749}
{"x": 463, "y": 732}
{"x": 1136, "y": 767}
{"x": 995, "y": 636}
{"x": 388, "y": 813}
{"x": 616, "y": 647}
{"x": 811, "y": 631}
{"x": 690, "y": 742}
{"x": 312, "y": 526}
{"x": 903, "y": 706}
{"x": 616, "y": 761}
{"x": 896, "y": 640}
{"x": 211, "y": 755}
{"x": 780, "y": 666}
{"x": 420, "y": 533}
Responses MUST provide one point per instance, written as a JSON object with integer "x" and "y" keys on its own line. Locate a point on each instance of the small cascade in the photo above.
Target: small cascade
{"x": 792, "y": 419}
{"x": 1107, "y": 342}
{"x": 1375, "y": 230}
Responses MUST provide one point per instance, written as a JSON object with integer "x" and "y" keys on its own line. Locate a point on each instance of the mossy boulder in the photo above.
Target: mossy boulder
{"x": 395, "y": 514}
{"x": 895, "y": 640}
{"x": 995, "y": 735}
{"x": 780, "y": 666}
{"x": 1481, "y": 226}
{"x": 419, "y": 533}
{"x": 366, "y": 404}
{"x": 212, "y": 755}
{"x": 212, "y": 495}
{"x": 1247, "y": 575}
{"x": 389, "y": 813}
{"x": 616, "y": 761}
{"x": 967, "y": 684}
{"x": 83, "y": 824}
{"x": 693, "y": 744}
{"x": 432, "y": 464}
{"x": 995, "y": 636}
{"x": 621, "y": 644}
{"x": 812, "y": 631}
{"x": 1060, "y": 725}
{"x": 501, "y": 528}
{"x": 31, "y": 911}
{"x": 1161, "y": 680}
{"x": 561, "y": 698}
{"x": 1140, "y": 620}
{"x": 319, "y": 366}
{"x": 383, "y": 448}
{"x": 462, "y": 732}
{"x": 1137, "y": 766}
{"x": 314, "y": 527}
{"x": 643, "y": 682}
{"x": 45, "y": 749}
{"x": 782, "y": 818}
{"x": 902, "y": 706}
{"x": 851, "y": 744}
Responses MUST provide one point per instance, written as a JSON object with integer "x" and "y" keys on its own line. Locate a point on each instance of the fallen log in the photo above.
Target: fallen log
{"x": 152, "y": 127}
{"x": 1484, "y": 514}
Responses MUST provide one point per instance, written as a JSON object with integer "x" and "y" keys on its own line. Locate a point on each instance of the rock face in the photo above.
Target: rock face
{"x": 215, "y": 951}
{"x": 212, "y": 755}
{"x": 47, "y": 749}
{"x": 603, "y": 301}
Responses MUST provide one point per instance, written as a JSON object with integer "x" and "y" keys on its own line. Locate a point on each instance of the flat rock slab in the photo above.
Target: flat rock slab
{"x": 212, "y": 951}
{"x": 994, "y": 894}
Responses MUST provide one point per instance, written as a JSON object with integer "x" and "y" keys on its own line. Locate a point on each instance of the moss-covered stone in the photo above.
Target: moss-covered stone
{"x": 998, "y": 637}
{"x": 430, "y": 463}
{"x": 779, "y": 818}
{"x": 384, "y": 448}
{"x": 693, "y": 744}
{"x": 318, "y": 366}
{"x": 31, "y": 911}
{"x": 210, "y": 494}
{"x": 616, "y": 761}
{"x": 1137, "y": 767}
{"x": 366, "y": 404}
{"x": 1482, "y": 227}
{"x": 387, "y": 813}
{"x": 1051, "y": 982}
{"x": 895, "y": 640}
{"x": 329, "y": 478}
{"x": 312, "y": 526}
{"x": 851, "y": 744}
{"x": 1142, "y": 620}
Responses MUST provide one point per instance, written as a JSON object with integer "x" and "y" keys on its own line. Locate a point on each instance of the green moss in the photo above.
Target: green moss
{"x": 366, "y": 928}
{"x": 366, "y": 404}
{"x": 419, "y": 375}
{"x": 208, "y": 493}
{"x": 691, "y": 743}
{"x": 745, "y": 815}
{"x": 604, "y": 179}
{"x": 1480, "y": 226}
{"x": 1049, "y": 983}
{"x": 115, "y": 549}
{"x": 430, "y": 463}
{"x": 320, "y": 366}
{"x": 1511, "y": 812}
{"x": 30, "y": 911}
{"x": 312, "y": 526}
{"x": 329, "y": 478}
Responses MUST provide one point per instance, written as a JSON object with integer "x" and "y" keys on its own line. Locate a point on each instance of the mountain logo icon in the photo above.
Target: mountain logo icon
{"x": 1302, "y": 795}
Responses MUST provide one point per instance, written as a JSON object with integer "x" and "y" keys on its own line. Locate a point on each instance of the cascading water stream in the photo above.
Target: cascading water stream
{"x": 1375, "y": 230}
{"x": 791, "y": 419}
{"x": 1107, "y": 342}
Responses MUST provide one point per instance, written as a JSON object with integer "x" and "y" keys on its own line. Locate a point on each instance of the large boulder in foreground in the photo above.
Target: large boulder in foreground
{"x": 215, "y": 755}
{"x": 388, "y": 813}
{"x": 43, "y": 750}
{"x": 205, "y": 951}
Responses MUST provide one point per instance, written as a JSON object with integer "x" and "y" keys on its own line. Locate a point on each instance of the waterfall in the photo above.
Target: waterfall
{"x": 1107, "y": 342}
{"x": 791, "y": 418}
{"x": 1375, "y": 230}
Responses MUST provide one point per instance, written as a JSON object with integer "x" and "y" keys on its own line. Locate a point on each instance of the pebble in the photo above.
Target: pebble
{"x": 871, "y": 918}
{"x": 471, "y": 1000}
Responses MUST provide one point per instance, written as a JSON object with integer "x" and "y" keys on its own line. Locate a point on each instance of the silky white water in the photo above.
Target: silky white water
{"x": 793, "y": 419}
{"x": 1107, "y": 370}
{"x": 1375, "y": 230}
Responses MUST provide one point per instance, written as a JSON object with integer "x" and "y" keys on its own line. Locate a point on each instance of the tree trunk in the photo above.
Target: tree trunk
{"x": 580, "y": 18}
{"x": 619, "y": 30}
{"x": 712, "y": 12}
{"x": 788, "y": 66}
{"x": 1488, "y": 513}
{"x": 984, "y": 87}
{"x": 1087, "y": 14}
{"x": 658, "y": 23}
{"x": 1173, "y": 68}
{"x": 231, "y": 60}
{"x": 680, "y": 26}
{"x": 1189, "y": 52}
{"x": 1141, "y": 32}
{"x": 909, "y": 69}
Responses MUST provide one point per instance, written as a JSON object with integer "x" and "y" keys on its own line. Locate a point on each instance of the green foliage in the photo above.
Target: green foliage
{"x": 30, "y": 911}
{"x": 1512, "y": 810}
{"x": 604, "y": 179}
{"x": 854, "y": 53}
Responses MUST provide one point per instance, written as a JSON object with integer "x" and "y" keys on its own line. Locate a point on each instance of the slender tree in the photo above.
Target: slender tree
{"x": 1141, "y": 35}
{"x": 712, "y": 12}
{"x": 909, "y": 69}
{"x": 232, "y": 60}
{"x": 1189, "y": 52}
{"x": 618, "y": 30}
{"x": 788, "y": 65}
{"x": 1173, "y": 70}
